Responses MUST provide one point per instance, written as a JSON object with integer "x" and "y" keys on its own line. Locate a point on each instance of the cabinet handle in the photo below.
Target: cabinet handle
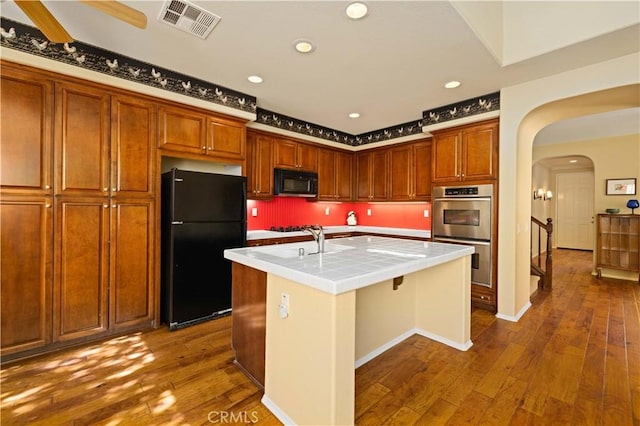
{"x": 106, "y": 206}
{"x": 114, "y": 205}
{"x": 105, "y": 189}
{"x": 114, "y": 189}
{"x": 48, "y": 205}
{"x": 47, "y": 187}
{"x": 204, "y": 147}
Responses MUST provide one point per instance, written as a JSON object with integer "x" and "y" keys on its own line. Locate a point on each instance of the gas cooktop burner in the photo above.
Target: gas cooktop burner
{"x": 288, "y": 228}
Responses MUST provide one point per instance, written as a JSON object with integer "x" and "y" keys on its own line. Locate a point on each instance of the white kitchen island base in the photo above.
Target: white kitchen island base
{"x": 346, "y": 306}
{"x": 312, "y": 354}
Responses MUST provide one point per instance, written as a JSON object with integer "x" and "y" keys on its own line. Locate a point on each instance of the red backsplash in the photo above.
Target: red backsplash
{"x": 292, "y": 211}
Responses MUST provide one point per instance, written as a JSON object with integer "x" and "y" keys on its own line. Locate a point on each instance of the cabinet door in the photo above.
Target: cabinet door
{"x": 343, "y": 175}
{"x": 82, "y": 140}
{"x": 25, "y": 132}
{"x": 82, "y": 253}
{"x": 479, "y": 152}
{"x": 379, "y": 175}
{"x": 363, "y": 170}
{"x": 260, "y": 167}
{"x": 422, "y": 170}
{"x": 307, "y": 158}
{"x": 182, "y": 130}
{"x": 133, "y": 137}
{"x": 26, "y": 280}
{"x": 400, "y": 173}
{"x": 226, "y": 139}
{"x": 446, "y": 157}
{"x": 285, "y": 154}
{"x": 326, "y": 174}
{"x": 132, "y": 236}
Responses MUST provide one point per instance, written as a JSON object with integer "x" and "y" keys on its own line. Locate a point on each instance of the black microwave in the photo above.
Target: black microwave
{"x": 295, "y": 183}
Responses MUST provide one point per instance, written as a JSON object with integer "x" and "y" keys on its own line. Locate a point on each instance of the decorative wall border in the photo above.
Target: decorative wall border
{"x": 462, "y": 109}
{"x": 17, "y": 36}
{"x": 30, "y": 40}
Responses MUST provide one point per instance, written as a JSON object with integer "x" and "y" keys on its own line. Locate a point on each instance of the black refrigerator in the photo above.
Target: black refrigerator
{"x": 202, "y": 215}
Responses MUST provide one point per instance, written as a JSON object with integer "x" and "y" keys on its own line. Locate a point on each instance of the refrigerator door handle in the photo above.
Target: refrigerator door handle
{"x": 178, "y": 180}
{"x": 177, "y": 222}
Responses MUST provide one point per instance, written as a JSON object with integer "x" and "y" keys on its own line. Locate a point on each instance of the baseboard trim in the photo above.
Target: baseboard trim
{"x": 517, "y": 317}
{"x": 276, "y": 411}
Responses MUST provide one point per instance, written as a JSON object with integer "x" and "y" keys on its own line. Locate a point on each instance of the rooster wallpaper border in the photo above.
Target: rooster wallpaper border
{"x": 17, "y": 36}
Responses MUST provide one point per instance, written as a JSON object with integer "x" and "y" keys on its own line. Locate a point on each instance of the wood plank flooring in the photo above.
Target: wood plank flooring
{"x": 573, "y": 359}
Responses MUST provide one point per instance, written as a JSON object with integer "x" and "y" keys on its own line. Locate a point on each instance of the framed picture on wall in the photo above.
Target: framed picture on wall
{"x": 621, "y": 186}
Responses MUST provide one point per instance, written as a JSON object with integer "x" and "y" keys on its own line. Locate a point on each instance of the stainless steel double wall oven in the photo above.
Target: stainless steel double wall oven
{"x": 464, "y": 215}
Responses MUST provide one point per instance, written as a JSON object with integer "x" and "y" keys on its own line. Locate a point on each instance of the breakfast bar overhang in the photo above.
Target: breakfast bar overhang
{"x": 328, "y": 313}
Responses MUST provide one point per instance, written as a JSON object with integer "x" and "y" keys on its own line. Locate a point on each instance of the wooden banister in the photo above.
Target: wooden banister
{"x": 546, "y": 273}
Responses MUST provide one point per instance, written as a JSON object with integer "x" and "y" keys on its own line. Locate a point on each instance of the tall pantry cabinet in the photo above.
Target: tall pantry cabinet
{"x": 77, "y": 211}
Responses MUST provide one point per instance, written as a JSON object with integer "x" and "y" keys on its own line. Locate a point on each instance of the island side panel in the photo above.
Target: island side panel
{"x": 384, "y": 317}
{"x": 309, "y": 374}
{"x": 443, "y": 303}
{"x": 248, "y": 298}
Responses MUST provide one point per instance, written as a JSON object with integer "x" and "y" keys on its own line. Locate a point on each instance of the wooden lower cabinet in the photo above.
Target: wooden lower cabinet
{"x": 26, "y": 278}
{"x": 82, "y": 255}
{"x": 248, "y": 303}
{"x": 131, "y": 266}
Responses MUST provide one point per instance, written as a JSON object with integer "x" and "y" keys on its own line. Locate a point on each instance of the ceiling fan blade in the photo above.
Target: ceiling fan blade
{"x": 44, "y": 20}
{"x": 120, "y": 11}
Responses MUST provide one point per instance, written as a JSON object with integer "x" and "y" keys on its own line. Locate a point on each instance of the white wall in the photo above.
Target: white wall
{"x": 525, "y": 110}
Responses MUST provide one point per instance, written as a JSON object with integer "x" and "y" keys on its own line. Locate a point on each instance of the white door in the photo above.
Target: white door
{"x": 574, "y": 204}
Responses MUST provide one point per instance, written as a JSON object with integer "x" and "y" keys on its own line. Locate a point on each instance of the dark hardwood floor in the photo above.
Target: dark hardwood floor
{"x": 573, "y": 359}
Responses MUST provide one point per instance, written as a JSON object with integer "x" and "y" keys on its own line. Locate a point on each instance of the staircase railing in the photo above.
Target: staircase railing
{"x": 546, "y": 273}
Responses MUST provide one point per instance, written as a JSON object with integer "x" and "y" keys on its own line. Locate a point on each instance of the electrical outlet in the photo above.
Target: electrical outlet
{"x": 426, "y": 213}
{"x": 368, "y": 212}
{"x": 283, "y": 308}
{"x": 254, "y": 211}
{"x": 326, "y": 211}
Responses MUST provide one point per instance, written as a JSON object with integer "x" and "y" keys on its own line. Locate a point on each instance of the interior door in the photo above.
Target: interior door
{"x": 575, "y": 210}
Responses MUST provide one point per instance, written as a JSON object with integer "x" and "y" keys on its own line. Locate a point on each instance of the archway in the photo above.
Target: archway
{"x": 590, "y": 103}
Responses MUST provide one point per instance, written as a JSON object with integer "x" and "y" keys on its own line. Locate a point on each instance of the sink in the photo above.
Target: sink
{"x": 310, "y": 248}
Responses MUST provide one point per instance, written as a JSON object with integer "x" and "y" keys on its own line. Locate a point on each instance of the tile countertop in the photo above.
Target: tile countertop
{"x": 401, "y": 232}
{"x": 348, "y": 263}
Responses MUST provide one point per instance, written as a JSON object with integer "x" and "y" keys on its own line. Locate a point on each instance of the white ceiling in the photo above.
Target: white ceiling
{"x": 390, "y": 66}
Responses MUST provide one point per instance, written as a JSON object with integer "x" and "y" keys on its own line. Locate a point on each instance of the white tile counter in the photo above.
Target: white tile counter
{"x": 399, "y": 232}
{"x": 348, "y": 263}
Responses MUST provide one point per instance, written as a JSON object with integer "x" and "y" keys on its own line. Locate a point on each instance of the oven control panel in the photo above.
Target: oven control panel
{"x": 469, "y": 190}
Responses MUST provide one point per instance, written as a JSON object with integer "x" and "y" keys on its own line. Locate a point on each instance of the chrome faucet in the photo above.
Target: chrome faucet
{"x": 318, "y": 236}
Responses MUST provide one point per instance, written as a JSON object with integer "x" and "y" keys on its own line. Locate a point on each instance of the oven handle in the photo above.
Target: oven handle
{"x": 455, "y": 240}
{"x": 462, "y": 199}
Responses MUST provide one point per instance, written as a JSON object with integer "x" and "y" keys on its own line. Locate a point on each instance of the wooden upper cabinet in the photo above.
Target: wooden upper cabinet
{"x": 196, "y": 132}
{"x": 26, "y": 119}
{"x": 372, "y": 175}
{"x": 466, "y": 153}
{"x": 133, "y": 141}
{"x": 259, "y": 166}
{"x": 82, "y": 159}
{"x": 182, "y": 130}
{"x": 410, "y": 172}
{"x": 226, "y": 138}
{"x": 289, "y": 154}
{"x": 334, "y": 175}
{"x": 26, "y": 279}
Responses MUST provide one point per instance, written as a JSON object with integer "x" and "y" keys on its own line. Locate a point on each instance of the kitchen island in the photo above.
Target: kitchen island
{"x": 326, "y": 314}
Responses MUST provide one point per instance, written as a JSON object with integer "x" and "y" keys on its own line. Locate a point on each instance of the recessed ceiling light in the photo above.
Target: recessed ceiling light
{"x": 452, "y": 84}
{"x": 357, "y": 10}
{"x": 354, "y": 115}
{"x": 255, "y": 79}
{"x": 303, "y": 46}
{"x": 573, "y": 161}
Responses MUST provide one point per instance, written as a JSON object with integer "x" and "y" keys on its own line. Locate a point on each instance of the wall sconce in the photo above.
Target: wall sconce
{"x": 541, "y": 194}
{"x": 538, "y": 194}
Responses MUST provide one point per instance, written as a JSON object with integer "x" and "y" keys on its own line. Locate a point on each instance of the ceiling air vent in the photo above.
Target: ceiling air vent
{"x": 188, "y": 17}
